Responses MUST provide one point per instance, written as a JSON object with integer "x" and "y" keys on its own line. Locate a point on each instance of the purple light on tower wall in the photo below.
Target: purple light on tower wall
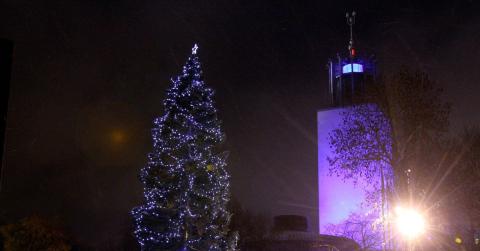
{"x": 337, "y": 198}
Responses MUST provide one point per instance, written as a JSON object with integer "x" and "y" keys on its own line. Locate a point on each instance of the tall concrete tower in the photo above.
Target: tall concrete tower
{"x": 348, "y": 75}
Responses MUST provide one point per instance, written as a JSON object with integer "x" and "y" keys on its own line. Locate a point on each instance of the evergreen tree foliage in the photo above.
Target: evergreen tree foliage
{"x": 186, "y": 185}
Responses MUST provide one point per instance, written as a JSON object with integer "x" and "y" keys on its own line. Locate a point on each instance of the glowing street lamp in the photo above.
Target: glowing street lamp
{"x": 410, "y": 223}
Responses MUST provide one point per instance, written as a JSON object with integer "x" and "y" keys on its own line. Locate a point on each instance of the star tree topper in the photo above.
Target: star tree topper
{"x": 194, "y": 49}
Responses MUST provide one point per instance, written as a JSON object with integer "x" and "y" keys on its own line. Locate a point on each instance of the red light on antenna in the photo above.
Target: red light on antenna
{"x": 352, "y": 52}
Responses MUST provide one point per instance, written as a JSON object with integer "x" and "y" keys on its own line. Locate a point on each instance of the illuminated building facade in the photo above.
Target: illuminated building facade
{"x": 348, "y": 76}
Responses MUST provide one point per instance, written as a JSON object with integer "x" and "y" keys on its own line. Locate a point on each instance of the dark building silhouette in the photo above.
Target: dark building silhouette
{"x": 290, "y": 222}
{"x": 290, "y": 233}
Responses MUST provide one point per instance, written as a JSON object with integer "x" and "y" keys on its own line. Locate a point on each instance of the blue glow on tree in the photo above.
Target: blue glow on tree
{"x": 186, "y": 186}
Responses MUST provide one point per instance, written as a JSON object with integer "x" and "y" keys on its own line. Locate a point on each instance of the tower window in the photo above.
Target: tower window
{"x": 348, "y": 68}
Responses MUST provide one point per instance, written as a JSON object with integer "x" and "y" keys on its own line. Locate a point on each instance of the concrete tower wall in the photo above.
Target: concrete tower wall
{"x": 337, "y": 198}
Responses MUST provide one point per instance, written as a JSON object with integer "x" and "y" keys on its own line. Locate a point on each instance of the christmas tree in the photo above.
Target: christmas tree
{"x": 186, "y": 186}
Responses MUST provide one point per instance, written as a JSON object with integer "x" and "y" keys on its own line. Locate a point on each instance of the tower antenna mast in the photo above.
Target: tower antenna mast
{"x": 350, "y": 22}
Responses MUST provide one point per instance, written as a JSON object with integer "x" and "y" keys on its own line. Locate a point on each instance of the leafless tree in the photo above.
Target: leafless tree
{"x": 391, "y": 131}
{"x": 362, "y": 228}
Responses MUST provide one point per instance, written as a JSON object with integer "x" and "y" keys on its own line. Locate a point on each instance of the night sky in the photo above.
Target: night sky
{"x": 89, "y": 77}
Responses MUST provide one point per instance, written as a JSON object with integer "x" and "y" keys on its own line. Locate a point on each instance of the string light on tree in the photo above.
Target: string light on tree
{"x": 186, "y": 186}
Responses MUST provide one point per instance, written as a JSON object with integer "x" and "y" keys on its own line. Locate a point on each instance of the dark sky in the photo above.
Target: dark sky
{"x": 89, "y": 78}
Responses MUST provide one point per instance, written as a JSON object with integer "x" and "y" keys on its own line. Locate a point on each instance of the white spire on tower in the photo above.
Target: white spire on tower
{"x": 351, "y": 21}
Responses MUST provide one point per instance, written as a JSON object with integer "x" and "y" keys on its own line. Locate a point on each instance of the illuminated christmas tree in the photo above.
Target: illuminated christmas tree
{"x": 186, "y": 186}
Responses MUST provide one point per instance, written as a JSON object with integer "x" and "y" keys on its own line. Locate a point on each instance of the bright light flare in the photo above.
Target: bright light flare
{"x": 410, "y": 223}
